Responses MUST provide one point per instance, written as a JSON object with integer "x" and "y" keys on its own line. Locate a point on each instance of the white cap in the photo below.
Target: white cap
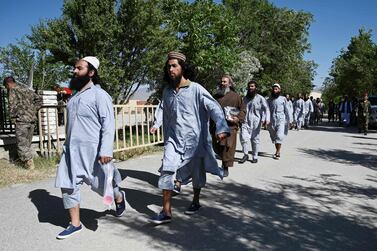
{"x": 92, "y": 60}
{"x": 276, "y": 85}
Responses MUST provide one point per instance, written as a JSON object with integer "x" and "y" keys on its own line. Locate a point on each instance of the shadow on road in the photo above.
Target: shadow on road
{"x": 150, "y": 178}
{"x": 240, "y": 217}
{"x": 343, "y": 156}
{"x": 50, "y": 210}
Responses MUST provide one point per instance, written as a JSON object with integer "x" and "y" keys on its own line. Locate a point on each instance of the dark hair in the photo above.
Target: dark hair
{"x": 8, "y": 79}
{"x": 95, "y": 79}
{"x": 252, "y": 82}
{"x": 188, "y": 70}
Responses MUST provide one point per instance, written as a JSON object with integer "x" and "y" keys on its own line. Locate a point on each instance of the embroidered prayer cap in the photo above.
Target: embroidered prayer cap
{"x": 276, "y": 85}
{"x": 176, "y": 55}
{"x": 92, "y": 60}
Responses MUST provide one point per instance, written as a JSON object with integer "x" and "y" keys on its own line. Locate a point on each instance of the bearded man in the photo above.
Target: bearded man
{"x": 257, "y": 114}
{"x": 234, "y": 111}
{"x": 89, "y": 144}
{"x": 185, "y": 110}
{"x": 281, "y": 118}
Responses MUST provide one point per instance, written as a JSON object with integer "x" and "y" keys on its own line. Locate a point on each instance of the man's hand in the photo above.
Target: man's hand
{"x": 221, "y": 136}
{"x": 235, "y": 119}
{"x": 153, "y": 130}
{"x": 105, "y": 159}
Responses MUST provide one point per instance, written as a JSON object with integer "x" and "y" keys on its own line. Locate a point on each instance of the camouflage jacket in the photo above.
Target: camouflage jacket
{"x": 365, "y": 108}
{"x": 23, "y": 104}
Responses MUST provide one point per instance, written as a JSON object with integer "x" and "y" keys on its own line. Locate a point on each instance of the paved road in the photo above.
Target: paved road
{"x": 321, "y": 195}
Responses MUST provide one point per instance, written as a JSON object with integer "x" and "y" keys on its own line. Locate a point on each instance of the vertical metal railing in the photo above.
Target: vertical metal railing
{"x": 132, "y": 125}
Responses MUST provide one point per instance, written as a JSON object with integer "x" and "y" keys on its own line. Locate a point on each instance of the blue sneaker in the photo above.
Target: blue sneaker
{"x": 71, "y": 229}
{"x": 161, "y": 218}
{"x": 193, "y": 208}
{"x": 176, "y": 189}
{"x": 120, "y": 207}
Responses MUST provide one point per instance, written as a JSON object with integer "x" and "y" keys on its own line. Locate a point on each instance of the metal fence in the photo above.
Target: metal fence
{"x": 132, "y": 125}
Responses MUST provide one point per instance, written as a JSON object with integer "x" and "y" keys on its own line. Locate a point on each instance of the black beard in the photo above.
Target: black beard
{"x": 176, "y": 81}
{"x": 251, "y": 94}
{"x": 275, "y": 95}
{"x": 77, "y": 83}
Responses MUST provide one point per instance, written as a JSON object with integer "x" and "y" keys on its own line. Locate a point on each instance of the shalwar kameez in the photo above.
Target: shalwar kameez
{"x": 280, "y": 119}
{"x": 187, "y": 141}
{"x": 257, "y": 112}
{"x": 90, "y": 134}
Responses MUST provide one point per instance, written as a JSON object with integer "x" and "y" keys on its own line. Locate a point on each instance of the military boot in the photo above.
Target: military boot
{"x": 29, "y": 164}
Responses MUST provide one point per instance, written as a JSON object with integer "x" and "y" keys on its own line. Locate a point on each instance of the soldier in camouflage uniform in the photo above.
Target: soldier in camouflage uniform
{"x": 23, "y": 107}
{"x": 364, "y": 111}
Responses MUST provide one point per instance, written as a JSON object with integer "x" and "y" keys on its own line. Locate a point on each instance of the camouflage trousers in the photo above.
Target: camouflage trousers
{"x": 363, "y": 122}
{"x": 24, "y": 136}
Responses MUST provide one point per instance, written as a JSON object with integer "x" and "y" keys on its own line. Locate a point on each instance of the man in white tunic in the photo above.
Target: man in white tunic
{"x": 186, "y": 109}
{"x": 281, "y": 118}
{"x": 308, "y": 109}
{"x": 257, "y": 114}
{"x": 89, "y": 143}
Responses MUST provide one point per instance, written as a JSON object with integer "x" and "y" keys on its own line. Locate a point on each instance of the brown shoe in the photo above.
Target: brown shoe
{"x": 29, "y": 164}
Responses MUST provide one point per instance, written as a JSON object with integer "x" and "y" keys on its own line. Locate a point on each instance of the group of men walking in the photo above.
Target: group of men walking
{"x": 196, "y": 125}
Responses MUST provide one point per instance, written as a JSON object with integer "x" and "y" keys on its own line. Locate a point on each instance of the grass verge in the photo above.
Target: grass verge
{"x": 14, "y": 174}
{"x": 46, "y": 168}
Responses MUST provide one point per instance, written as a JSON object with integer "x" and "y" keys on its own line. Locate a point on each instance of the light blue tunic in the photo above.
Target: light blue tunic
{"x": 90, "y": 134}
{"x": 186, "y": 115}
{"x": 299, "y": 114}
{"x": 280, "y": 119}
{"x": 257, "y": 112}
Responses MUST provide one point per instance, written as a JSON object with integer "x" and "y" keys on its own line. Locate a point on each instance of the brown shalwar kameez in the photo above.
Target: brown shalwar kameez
{"x": 227, "y": 147}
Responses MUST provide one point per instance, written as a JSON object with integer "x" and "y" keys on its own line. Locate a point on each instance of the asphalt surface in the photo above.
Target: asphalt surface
{"x": 321, "y": 195}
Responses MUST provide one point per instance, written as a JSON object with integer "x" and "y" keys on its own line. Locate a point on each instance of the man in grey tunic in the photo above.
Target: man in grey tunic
{"x": 186, "y": 109}
{"x": 257, "y": 113}
{"x": 299, "y": 114}
{"x": 281, "y": 118}
{"x": 88, "y": 149}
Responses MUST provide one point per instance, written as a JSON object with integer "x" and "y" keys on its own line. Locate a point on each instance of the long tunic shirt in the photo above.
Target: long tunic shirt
{"x": 257, "y": 112}
{"x": 280, "y": 118}
{"x": 299, "y": 114}
{"x": 186, "y": 115}
{"x": 90, "y": 134}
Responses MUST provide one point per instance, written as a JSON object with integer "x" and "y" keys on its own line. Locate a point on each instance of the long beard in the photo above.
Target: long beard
{"x": 176, "y": 80}
{"x": 222, "y": 91}
{"x": 251, "y": 94}
{"x": 77, "y": 83}
{"x": 275, "y": 95}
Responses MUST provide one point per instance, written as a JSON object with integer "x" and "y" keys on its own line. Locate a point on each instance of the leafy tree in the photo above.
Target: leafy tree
{"x": 278, "y": 37}
{"x": 354, "y": 71}
{"x": 128, "y": 37}
{"x": 208, "y": 35}
{"x": 20, "y": 59}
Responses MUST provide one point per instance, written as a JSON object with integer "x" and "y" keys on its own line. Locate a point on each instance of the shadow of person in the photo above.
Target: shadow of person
{"x": 150, "y": 178}
{"x": 140, "y": 200}
{"x": 51, "y": 210}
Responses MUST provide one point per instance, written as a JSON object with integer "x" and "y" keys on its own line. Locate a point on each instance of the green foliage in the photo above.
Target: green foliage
{"x": 354, "y": 71}
{"x": 278, "y": 38}
{"x": 209, "y": 37}
{"x": 244, "y": 38}
{"x": 20, "y": 59}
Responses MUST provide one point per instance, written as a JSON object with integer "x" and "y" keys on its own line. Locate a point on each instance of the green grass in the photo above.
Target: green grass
{"x": 11, "y": 173}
